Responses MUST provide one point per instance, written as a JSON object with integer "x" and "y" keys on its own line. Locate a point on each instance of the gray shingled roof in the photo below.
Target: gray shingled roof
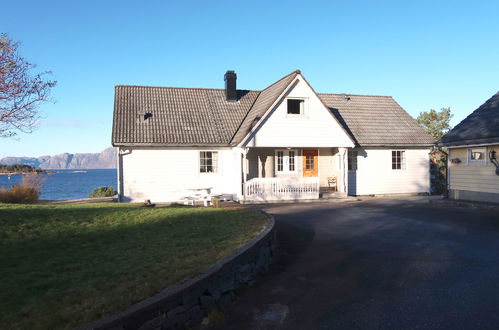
{"x": 373, "y": 120}
{"x": 197, "y": 116}
{"x": 180, "y": 116}
{"x": 480, "y": 127}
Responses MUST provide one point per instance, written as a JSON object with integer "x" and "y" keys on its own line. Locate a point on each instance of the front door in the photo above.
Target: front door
{"x": 310, "y": 163}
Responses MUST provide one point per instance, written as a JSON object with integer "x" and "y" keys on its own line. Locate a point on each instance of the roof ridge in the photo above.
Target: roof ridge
{"x": 348, "y": 94}
{"x": 197, "y": 88}
{"x": 275, "y": 82}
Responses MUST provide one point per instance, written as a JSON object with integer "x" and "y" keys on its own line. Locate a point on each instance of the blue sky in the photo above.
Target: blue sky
{"x": 426, "y": 54}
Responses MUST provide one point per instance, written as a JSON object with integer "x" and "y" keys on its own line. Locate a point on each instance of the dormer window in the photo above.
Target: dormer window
{"x": 296, "y": 107}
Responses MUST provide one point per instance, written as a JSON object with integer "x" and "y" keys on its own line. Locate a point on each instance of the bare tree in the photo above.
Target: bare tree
{"x": 21, "y": 92}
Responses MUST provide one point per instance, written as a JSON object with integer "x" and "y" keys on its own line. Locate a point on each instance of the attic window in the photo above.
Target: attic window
{"x": 295, "y": 107}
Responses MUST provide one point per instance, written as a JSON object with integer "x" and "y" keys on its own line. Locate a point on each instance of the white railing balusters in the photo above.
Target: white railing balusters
{"x": 268, "y": 189}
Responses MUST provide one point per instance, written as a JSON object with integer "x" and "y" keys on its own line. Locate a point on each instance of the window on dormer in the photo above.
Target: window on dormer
{"x": 295, "y": 107}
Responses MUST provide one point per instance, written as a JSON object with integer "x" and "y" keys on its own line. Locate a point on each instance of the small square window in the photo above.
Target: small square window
{"x": 295, "y": 107}
{"x": 208, "y": 161}
{"x": 476, "y": 155}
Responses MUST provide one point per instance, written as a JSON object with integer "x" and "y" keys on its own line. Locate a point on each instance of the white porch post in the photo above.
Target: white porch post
{"x": 344, "y": 169}
{"x": 244, "y": 152}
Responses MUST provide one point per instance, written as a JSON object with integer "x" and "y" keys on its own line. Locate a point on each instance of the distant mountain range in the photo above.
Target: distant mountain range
{"x": 104, "y": 159}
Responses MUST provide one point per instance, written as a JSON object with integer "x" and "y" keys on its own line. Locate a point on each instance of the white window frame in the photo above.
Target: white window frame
{"x": 286, "y": 162}
{"x": 403, "y": 160}
{"x": 216, "y": 166}
{"x": 303, "y": 110}
{"x": 477, "y": 161}
{"x": 352, "y": 155}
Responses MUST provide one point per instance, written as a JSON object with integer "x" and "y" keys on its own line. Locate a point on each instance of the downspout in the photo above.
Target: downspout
{"x": 447, "y": 173}
{"x": 343, "y": 152}
{"x": 118, "y": 172}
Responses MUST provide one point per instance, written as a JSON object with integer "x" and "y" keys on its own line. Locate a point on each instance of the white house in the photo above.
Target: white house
{"x": 473, "y": 155}
{"x": 285, "y": 142}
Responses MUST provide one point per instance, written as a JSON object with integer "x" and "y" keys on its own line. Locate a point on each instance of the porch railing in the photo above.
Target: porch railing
{"x": 274, "y": 189}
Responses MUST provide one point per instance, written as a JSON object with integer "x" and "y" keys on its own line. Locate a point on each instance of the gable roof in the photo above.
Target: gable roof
{"x": 202, "y": 117}
{"x": 480, "y": 127}
{"x": 265, "y": 99}
{"x": 373, "y": 120}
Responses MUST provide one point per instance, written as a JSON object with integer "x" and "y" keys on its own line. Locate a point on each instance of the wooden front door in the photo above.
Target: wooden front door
{"x": 310, "y": 163}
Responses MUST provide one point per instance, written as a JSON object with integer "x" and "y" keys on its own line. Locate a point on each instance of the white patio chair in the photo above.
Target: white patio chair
{"x": 332, "y": 183}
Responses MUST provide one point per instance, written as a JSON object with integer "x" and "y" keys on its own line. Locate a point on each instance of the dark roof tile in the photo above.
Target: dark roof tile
{"x": 373, "y": 120}
{"x": 480, "y": 127}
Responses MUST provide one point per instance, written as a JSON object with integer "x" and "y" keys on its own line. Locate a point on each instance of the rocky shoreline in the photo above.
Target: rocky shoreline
{"x": 22, "y": 173}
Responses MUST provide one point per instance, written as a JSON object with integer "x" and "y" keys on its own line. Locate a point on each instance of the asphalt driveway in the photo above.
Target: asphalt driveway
{"x": 377, "y": 264}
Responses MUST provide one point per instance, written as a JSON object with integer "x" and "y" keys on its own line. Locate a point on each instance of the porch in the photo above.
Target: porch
{"x": 276, "y": 174}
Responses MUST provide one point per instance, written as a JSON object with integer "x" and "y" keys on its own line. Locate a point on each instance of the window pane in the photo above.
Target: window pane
{"x": 309, "y": 162}
{"x": 398, "y": 160}
{"x": 208, "y": 161}
{"x": 477, "y": 154}
{"x": 352, "y": 160}
{"x": 291, "y": 161}
{"x": 280, "y": 161}
{"x": 295, "y": 107}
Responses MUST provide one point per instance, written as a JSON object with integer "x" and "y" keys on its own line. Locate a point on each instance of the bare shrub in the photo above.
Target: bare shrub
{"x": 25, "y": 193}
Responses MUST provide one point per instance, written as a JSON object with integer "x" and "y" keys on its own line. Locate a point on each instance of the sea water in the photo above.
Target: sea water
{"x": 67, "y": 184}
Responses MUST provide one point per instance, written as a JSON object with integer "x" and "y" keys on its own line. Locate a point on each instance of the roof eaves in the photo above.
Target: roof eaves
{"x": 397, "y": 145}
{"x": 185, "y": 145}
{"x": 468, "y": 142}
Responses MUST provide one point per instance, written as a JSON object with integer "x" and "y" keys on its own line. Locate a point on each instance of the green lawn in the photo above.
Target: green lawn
{"x": 65, "y": 265}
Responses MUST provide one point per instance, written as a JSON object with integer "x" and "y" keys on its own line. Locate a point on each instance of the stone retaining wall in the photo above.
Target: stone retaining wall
{"x": 187, "y": 304}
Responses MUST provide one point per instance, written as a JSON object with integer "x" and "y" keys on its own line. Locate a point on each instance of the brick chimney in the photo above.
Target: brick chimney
{"x": 230, "y": 86}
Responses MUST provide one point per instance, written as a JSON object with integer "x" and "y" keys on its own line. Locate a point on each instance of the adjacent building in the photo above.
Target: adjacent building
{"x": 473, "y": 144}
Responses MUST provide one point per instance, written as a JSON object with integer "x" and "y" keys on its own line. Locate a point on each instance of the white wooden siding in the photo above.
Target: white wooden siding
{"x": 374, "y": 174}
{"x": 472, "y": 176}
{"x": 328, "y": 159}
{"x": 164, "y": 175}
{"x": 315, "y": 128}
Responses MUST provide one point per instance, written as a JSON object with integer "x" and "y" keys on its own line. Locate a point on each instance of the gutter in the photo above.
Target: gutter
{"x": 170, "y": 145}
{"x": 468, "y": 145}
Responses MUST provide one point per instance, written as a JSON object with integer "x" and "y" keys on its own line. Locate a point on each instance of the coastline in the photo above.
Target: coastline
{"x": 32, "y": 173}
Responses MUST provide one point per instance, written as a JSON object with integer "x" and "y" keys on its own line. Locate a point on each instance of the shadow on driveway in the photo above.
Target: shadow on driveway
{"x": 376, "y": 264}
